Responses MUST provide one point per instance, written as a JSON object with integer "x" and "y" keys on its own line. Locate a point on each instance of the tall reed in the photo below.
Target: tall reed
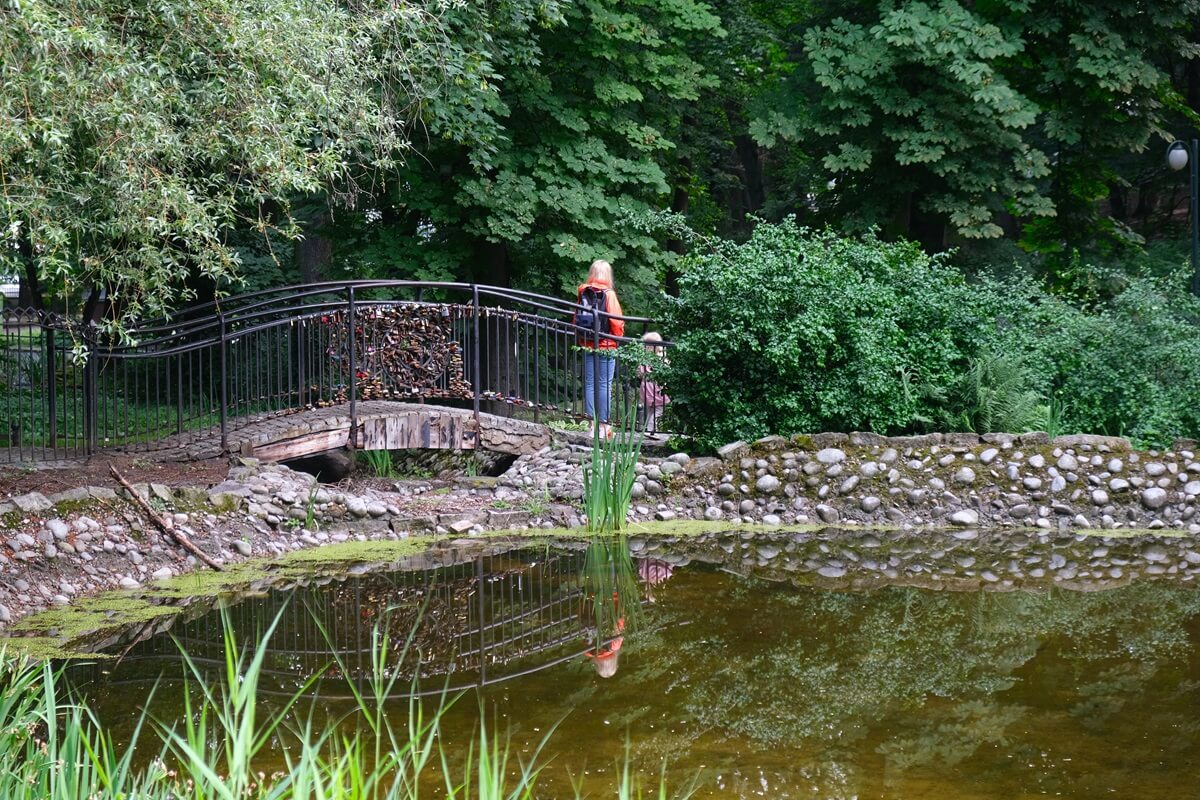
{"x": 608, "y": 477}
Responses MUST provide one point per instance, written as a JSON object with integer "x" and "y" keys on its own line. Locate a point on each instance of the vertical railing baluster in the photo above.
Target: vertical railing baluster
{"x": 475, "y": 387}
{"x": 352, "y": 325}
{"x": 90, "y": 388}
{"x": 52, "y": 388}
{"x": 224, "y": 366}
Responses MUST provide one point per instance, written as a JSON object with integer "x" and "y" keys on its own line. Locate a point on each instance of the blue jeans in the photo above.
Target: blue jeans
{"x": 601, "y": 366}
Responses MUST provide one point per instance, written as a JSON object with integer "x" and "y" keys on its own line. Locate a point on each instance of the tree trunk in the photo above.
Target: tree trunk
{"x": 679, "y": 205}
{"x": 30, "y": 295}
{"x": 314, "y": 251}
{"x": 492, "y": 265}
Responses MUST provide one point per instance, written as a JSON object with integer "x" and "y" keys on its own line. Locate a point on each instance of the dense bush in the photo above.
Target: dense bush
{"x": 796, "y": 330}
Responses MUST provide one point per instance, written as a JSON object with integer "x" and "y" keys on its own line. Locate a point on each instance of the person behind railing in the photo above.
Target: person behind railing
{"x": 599, "y": 312}
{"x": 653, "y": 399}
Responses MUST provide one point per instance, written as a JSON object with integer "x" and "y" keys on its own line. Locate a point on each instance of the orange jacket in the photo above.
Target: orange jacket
{"x": 616, "y": 326}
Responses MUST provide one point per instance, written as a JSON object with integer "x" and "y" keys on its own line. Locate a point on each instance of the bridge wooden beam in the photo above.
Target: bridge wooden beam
{"x": 394, "y": 426}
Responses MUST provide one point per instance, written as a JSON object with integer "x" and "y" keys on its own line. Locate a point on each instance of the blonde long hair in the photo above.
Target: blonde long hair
{"x": 600, "y": 272}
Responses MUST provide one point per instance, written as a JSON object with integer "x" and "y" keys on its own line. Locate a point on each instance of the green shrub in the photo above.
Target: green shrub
{"x": 795, "y": 330}
{"x": 800, "y": 331}
{"x": 1128, "y": 367}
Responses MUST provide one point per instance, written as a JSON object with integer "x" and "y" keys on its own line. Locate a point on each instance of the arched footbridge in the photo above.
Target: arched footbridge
{"x": 294, "y": 371}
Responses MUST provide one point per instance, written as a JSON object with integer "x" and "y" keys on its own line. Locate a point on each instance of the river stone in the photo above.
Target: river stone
{"x": 726, "y": 490}
{"x": 1192, "y": 488}
{"x": 242, "y": 547}
{"x": 31, "y": 503}
{"x": 827, "y": 513}
{"x": 712, "y": 513}
{"x": 965, "y": 475}
{"x": 869, "y": 469}
{"x": 1068, "y": 462}
{"x": 1020, "y": 510}
{"x": 965, "y": 517}
{"x": 1154, "y": 553}
{"x": 746, "y": 506}
{"x": 653, "y": 488}
{"x": 670, "y": 467}
{"x": 1154, "y": 469}
{"x": 1100, "y": 497}
{"x": 1032, "y": 483}
{"x": 831, "y": 455}
{"x": 665, "y": 515}
{"x": 946, "y": 460}
{"x": 1118, "y": 484}
{"x": 769, "y": 519}
{"x": 848, "y": 485}
{"x": 59, "y": 528}
{"x": 682, "y": 459}
{"x": 639, "y": 490}
{"x": 1154, "y": 498}
{"x": 1116, "y": 465}
{"x": 1058, "y": 483}
{"x": 988, "y": 456}
{"x": 5, "y": 615}
{"x": 767, "y": 484}
{"x": 129, "y": 583}
{"x": 889, "y": 455}
{"x": 869, "y": 504}
{"x": 1037, "y": 461}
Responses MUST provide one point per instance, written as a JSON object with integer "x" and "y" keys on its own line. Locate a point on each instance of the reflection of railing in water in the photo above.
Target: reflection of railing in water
{"x": 473, "y": 623}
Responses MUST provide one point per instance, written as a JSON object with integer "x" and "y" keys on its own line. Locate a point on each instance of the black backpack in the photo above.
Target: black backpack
{"x": 593, "y": 302}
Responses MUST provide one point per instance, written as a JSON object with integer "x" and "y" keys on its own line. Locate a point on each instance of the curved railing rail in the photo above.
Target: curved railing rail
{"x": 228, "y": 363}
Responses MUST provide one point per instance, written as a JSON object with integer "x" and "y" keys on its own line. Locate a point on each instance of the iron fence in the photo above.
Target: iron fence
{"x": 225, "y": 364}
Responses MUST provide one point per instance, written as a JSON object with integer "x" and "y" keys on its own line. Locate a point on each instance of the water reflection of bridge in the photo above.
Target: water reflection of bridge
{"x": 471, "y": 622}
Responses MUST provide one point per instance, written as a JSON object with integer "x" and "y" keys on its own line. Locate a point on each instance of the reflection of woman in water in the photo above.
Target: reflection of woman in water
{"x": 609, "y": 572}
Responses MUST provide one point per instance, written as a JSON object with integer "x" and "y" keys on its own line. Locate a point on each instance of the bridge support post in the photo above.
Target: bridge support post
{"x": 352, "y": 332}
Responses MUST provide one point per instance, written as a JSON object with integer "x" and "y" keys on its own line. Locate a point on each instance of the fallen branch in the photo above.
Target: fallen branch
{"x": 167, "y": 527}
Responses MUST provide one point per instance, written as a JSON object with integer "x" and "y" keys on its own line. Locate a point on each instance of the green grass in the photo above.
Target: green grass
{"x": 52, "y": 746}
{"x": 379, "y": 463}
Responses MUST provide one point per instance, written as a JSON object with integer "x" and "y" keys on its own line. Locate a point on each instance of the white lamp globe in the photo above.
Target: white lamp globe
{"x": 1177, "y": 155}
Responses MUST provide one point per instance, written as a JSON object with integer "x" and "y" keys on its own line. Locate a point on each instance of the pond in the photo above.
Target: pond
{"x": 826, "y": 664}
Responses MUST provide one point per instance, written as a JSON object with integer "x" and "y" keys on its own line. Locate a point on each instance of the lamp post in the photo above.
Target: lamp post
{"x": 1179, "y": 155}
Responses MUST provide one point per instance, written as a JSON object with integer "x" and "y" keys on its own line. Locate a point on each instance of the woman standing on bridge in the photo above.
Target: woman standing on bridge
{"x": 599, "y": 312}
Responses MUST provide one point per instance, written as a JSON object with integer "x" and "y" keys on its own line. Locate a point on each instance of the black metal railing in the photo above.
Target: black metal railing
{"x": 66, "y": 391}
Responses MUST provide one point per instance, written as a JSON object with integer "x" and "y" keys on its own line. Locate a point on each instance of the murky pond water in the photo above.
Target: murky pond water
{"x": 788, "y": 665}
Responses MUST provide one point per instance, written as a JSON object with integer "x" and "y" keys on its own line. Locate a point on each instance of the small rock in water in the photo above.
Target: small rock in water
{"x": 830, "y": 571}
